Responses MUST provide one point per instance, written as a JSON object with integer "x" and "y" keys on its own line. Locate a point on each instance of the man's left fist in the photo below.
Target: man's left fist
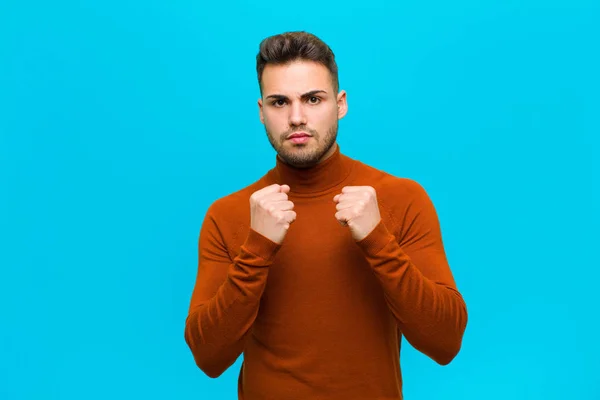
{"x": 358, "y": 209}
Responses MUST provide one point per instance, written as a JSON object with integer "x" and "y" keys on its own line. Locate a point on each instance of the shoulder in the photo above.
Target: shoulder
{"x": 401, "y": 199}
{"x": 390, "y": 187}
{"x": 233, "y": 207}
{"x": 228, "y": 217}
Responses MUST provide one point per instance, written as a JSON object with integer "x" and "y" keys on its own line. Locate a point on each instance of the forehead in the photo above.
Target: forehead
{"x": 295, "y": 78}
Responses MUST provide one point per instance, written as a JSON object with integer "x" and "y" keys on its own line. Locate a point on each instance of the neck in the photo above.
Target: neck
{"x": 326, "y": 174}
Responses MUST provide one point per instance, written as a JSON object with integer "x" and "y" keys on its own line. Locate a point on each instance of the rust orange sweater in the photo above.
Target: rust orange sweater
{"x": 321, "y": 316}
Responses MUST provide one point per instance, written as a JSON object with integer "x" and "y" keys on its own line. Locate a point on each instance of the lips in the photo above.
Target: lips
{"x": 298, "y": 135}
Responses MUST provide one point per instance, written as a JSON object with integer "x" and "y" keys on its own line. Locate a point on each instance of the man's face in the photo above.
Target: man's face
{"x": 298, "y": 99}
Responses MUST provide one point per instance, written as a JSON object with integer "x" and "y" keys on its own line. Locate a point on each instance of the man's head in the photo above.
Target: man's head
{"x": 298, "y": 80}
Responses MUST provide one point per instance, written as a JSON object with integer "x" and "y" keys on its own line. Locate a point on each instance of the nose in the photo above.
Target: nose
{"x": 297, "y": 115}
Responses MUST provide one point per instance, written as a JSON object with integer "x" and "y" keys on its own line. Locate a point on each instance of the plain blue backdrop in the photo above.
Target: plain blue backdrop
{"x": 121, "y": 121}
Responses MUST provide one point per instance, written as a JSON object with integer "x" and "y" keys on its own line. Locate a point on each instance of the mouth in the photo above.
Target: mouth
{"x": 298, "y": 135}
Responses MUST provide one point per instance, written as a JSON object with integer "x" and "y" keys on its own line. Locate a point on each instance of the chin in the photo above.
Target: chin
{"x": 300, "y": 157}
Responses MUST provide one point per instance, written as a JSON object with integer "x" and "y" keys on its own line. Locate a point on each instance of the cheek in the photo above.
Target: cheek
{"x": 275, "y": 122}
{"x": 270, "y": 118}
{"x": 325, "y": 118}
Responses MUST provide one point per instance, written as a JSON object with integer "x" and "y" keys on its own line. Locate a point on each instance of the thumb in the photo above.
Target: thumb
{"x": 284, "y": 188}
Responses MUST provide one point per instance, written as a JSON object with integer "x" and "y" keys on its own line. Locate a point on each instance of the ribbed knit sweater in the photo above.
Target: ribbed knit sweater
{"x": 321, "y": 316}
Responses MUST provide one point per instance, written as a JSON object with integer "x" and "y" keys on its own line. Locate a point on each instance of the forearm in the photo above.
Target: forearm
{"x": 431, "y": 315}
{"x": 216, "y": 328}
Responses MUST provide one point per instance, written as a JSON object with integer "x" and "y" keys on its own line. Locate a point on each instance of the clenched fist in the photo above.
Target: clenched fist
{"x": 271, "y": 213}
{"x": 358, "y": 209}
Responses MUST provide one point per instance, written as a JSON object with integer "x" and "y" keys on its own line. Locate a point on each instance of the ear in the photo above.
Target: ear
{"x": 260, "y": 111}
{"x": 342, "y": 104}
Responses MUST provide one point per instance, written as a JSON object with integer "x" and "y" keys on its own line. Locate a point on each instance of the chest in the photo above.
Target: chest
{"x": 317, "y": 261}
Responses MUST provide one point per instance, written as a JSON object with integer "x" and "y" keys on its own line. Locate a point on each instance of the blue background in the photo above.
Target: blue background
{"x": 121, "y": 121}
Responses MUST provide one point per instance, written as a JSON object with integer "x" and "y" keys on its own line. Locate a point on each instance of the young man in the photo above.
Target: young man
{"x": 315, "y": 271}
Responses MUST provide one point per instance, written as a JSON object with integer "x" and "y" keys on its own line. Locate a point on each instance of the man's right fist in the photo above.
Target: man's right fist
{"x": 271, "y": 212}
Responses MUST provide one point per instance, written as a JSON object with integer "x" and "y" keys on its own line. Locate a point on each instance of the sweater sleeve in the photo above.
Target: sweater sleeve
{"x": 417, "y": 281}
{"x": 226, "y": 297}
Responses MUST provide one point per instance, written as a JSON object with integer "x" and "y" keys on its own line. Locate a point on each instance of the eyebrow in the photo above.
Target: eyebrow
{"x": 305, "y": 95}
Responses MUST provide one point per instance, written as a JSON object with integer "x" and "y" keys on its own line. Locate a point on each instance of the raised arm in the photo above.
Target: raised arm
{"x": 225, "y": 298}
{"x": 226, "y": 295}
{"x": 417, "y": 280}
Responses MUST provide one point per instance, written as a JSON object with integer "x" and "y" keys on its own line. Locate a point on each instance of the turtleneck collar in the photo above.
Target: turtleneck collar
{"x": 319, "y": 178}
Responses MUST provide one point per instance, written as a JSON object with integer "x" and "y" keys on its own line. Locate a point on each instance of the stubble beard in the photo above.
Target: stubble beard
{"x": 304, "y": 155}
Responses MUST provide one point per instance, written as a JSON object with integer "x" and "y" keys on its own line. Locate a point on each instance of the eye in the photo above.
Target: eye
{"x": 278, "y": 102}
{"x": 314, "y": 100}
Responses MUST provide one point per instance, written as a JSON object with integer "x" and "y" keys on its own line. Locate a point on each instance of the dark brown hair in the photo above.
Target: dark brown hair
{"x": 292, "y": 46}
